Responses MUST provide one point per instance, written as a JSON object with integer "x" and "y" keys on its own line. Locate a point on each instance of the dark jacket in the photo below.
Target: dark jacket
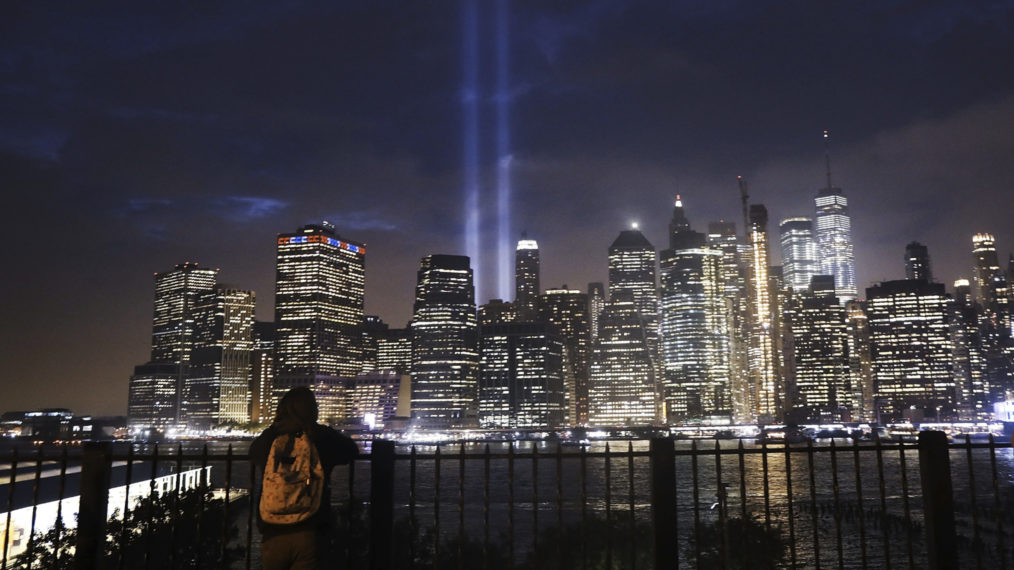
{"x": 333, "y": 447}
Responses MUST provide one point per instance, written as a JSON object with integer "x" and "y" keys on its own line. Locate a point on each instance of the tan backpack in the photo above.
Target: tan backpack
{"x": 293, "y": 481}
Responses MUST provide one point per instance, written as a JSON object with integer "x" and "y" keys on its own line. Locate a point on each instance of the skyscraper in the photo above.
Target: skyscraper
{"x": 622, "y": 390}
{"x": 860, "y": 362}
{"x": 521, "y": 379}
{"x": 694, "y": 326}
{"x": 319, "y": 287}
{"x": 526, "y": 279}
{"x": 823, "y": 391}
{"x": 911, "y": 349}
{"x": 445, "y": 355}
{"x": 991, "y": 292}
{"x": 262, "y": 374}
{"x": 722, "y": 237}
{"x": 217, "y": 386}
{"x": 567, "y": 311}
{"x": 632, "y": 263}
{"x": 156, "y": 388}
{"x": 917, "y": 262}
{"x": 799, "y": 253}
{"x": 765, "y": 384}
{"x": 834, "y": 237}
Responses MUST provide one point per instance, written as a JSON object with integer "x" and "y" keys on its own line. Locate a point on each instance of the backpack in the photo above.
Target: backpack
{"x": 293, "y": 480}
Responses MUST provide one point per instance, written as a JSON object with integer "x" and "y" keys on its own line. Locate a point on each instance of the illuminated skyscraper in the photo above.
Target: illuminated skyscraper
{"x": 394, "y": 351}
{"x": 156, "y": 388}
{"x": 567, "y": 311}
{"x": 765, "y": 383}
{"x": 622, "y": 390}
{"x": 860, "y": 362}
{"x": 834, "y": 237}
{"x": 632, "y": 263}
{"x": 917, "y": 262}
{"x": 262, "y": 375}
{"x": 820, "y": 347}
{"x": 173, "y": 322}
{"x": 911, "y": 348}
{"x": 799, "y": 253}
{"x": 975, "y": 393}
{"x": 694, "y": 326}
{"x": 521, "y": 379}
{"x": 722, "y": 237}
{"x": 991, "y": 292}
{"x": 498, "y": 312}
{"x": 526, "y": 279}
{"x": 217, "y": 386}
{"x": 319, "y": 286}
{"x": 445, "y": 355}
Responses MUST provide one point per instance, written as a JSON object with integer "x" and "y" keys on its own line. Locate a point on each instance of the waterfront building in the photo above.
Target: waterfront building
{"x": 764, "y": 381}
{"x": 622, "y": 390}
{"x": 445, "y": 355}
{"x": 217, "y": 385}
{"x": 567, "y": 311}
{"x": 632, "y": 277}
{"x": 911, "y": 348}
{"x": 799, "y": 253}
{"x": 860, "y": 361}
{"x": 820, "y": 349}
{"x": 376, "y": 397}
{"x": 152, "y": 401}
{"x": 975, "y": 393}
{"x": 153, "y": 396}
{"x": 521, "y": 379}
{"x": 722, "y": 237}
{"x": 992, "y": 294}
{"x": 373, "y": 328}
{"x": 319, "y": 288}
{"x": 694, "y": 326}
{"x": 262, "y": 372}
{"x": 526, "y": 279}
{"x": 917, "y": 262}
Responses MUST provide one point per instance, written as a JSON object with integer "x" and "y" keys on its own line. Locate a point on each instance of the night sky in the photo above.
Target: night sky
{"x": 138, "y": 135}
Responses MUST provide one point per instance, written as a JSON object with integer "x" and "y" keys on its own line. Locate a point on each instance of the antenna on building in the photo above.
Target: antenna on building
{"x": 827, "y": 157}
{"x": 745, "y": 198}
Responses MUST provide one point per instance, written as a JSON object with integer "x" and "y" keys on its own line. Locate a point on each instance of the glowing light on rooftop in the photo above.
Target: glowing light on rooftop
{"x": 528, "y": 244}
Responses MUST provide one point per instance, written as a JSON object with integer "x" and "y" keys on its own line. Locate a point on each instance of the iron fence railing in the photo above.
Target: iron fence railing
{"x": 630, "y": 504}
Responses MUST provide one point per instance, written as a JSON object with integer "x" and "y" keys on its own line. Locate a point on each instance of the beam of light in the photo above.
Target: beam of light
{"x": 470, "y": 136}
{"x": 503, "y": 180}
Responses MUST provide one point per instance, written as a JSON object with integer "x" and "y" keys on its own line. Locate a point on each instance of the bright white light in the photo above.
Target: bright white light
{"x": 633, "y": 225}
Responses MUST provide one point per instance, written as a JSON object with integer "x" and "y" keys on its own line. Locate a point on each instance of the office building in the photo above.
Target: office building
{"x": 632, "y": 262}
{"x": 823, "y": 389}
{"x": 153, "y": 399}
{"x": 262, "y": 373}
{"x": 217, "y": 385}
{"x": 375, "y": 398}
{"x": 833, "y": 232}
{"x": 319, "y": 286}
{"x": 911, "y": 348}
{"x": 860, "y": 362}
{"x": 526, "y": 279}
{"x": 722, "y": 237}
{"x": 622, "y": 390}
{"x": 764, "y": 381}
{"x": 566, "y": 310}
{"x": 445, "y": 355}
{"x": 694, "y": 326}
{"x": 799, "y": 253}
{"x": 596, "y": 304}
{"x": 394, "y": 351}
{"x": 521, "y": 380}
{"x": 499, "y": 312}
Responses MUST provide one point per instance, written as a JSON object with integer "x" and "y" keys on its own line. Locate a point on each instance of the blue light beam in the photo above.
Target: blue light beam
{"x": 470, "y": 136}
{"x": 503, "y": 141}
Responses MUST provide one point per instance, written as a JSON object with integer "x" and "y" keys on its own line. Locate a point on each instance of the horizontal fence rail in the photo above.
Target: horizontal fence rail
{"x": 614, "y": 504}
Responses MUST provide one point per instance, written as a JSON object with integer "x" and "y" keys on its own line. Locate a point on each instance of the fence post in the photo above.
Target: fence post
{"x": 938, "y": 499}
{"x": 663, "y": 502}
{"x": 381, "y": 503}
{"x": 96, "y": 468}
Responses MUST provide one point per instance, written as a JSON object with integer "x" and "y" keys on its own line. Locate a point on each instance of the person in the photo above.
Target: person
{"x": 299, "y": 545}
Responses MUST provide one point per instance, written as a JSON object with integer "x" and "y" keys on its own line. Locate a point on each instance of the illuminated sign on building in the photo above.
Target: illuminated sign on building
{"x": 322, "y": 239}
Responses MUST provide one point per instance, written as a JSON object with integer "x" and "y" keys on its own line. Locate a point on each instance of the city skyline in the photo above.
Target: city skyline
{"x": 147, "y": 137}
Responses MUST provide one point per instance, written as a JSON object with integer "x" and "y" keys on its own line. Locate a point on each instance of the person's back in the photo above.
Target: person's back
{"x": 296, "y": 545}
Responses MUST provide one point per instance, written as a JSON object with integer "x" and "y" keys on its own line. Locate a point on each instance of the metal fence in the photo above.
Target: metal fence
{"x": 629, "y": 504}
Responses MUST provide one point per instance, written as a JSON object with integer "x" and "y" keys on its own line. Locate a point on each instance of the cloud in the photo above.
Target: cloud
{"x": 231, "y": 208}
{"x": 361, "y": 220}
